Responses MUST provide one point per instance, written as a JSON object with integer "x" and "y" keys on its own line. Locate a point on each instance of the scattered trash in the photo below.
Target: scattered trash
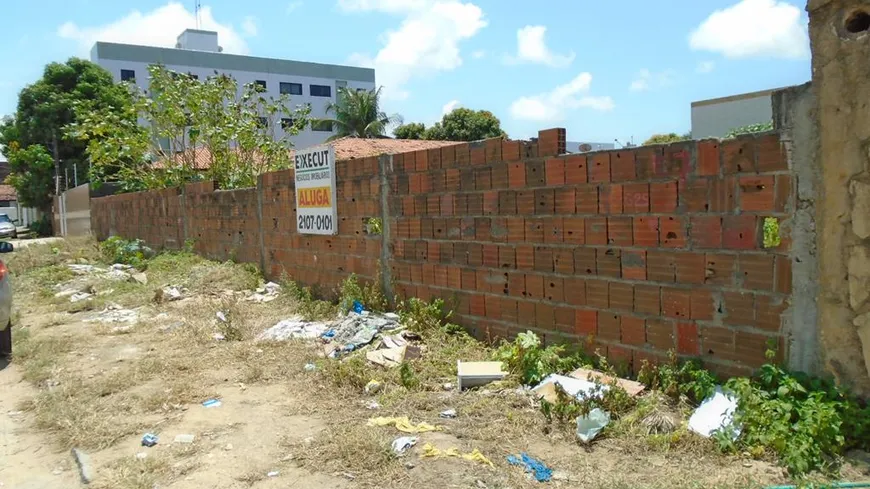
{"x": 293, "y": 329}
{"x": 221, "y": 316}
{"x": 140, "y": 278}
{"x": 541, "y": 472}
{"x": 80, "y": 296}
{"x": 267, "y": 293}
{"x": 219, "y": 336}
{"x": 716, "y": 412}
{"x": 86, "y": 471}
{"x": 402, "y": 444}
{"x": 274, "y": 473}
{"x": 475, "y": 374}
{"x": 373, "y": 405}
{"x": 82, "y": 269}
{"x": 141, "y": 456}
{"x": 149, "y": 440}
{"x": 357, "y": 307}
{"x": 578, "y": 388}
{"x": 211, "y": 403}
{"x": 121, "y": 266}
{"x": 449, "y": 414}
{"x": 184, "y": 439}
{"x": 429, "y": 451}
{"x": 114, "y": 314}
{"x": 228, "y": 447}
{"x": 328, "y": 335}
{"x": 480, "y": 484}
{"x": 393, "y": 357}
{"x": 358, "y": 330}
{"x": 310, "y": 367}
{"x": 631, "y": 387}
{"x": 373, "y": 387}
{"x": 590, "y": 425}
{"x": 404, "y": 425}
{"x": 449, "y": 386}
{"x": 393, "y": 341}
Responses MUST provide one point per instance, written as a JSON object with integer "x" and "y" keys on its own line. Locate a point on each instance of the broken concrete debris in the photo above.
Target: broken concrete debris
{"x": 114, "y": 314}
{"x": 184, "y": 438}
{"x": 475, "y": 374}
{"x": 83, "y": 461}
{"x": 264, "y": 294}
{"x": 393, "y": 357}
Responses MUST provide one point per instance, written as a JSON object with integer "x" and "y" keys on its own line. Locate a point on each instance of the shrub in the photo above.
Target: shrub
{"x": 130, "y": 252}
{"x": 676, "y": 379}
{"x": 369, "y": 295}
{"x": 526, "y": 359}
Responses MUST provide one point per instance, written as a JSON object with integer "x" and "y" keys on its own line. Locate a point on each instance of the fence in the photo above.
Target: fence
{"x": 632, "y": 252}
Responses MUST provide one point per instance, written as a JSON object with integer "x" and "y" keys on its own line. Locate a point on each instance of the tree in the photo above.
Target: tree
{"x": 750, "y": 129}
{"x": 413, "y": 130}
{"x": 358, "y": 114}
{"x": 666, "y": 138}
{"x": 45, "y": 109}
{"x": 459, "y": 125}
{"x": 189, "y": 121}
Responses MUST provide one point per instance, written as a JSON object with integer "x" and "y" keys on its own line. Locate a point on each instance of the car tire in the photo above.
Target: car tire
{"x": 6, "y": 341}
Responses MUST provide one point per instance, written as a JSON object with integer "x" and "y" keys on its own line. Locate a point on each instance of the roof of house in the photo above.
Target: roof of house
{"x": 346, "y": 148}
{"x": 7, "y": 192}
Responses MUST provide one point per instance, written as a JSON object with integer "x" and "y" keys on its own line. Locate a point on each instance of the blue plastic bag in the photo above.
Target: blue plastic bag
{"x": 149, "y": 440}
{"x": 358, "y": 307}
{"x": 542, "y": 472}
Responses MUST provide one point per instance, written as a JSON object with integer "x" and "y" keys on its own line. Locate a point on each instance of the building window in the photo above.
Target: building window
{"x": 261, "y": 84}
{"x": 321, "y": 91}
{"x": 5, "y": 203}
{"x": 287, "y": 123}
{"x": 321, "y": 126}
{"x": 290, "y": 88}
{"x": 262, "y": 121}
{"x": 128, "y": 75}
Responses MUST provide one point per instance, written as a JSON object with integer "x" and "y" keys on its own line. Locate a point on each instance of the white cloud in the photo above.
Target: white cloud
{"x": 426, "y": 42}
{"x": 754, "y": 28}
{"x": 647, "y": 80}
{"x": 159, "y": 27}
{"x": 705, "y": 67}
{"x": 448, "y": 107}
{"x": 249, "y": 26}
{"x": 532, "y": 48}
{"x": 552, "y": 106}
{"x": 292, "y": 6}
{"x": 479, "y": 54}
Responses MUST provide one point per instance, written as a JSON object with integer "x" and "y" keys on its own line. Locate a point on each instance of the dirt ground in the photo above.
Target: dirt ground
{"x": 99, "y": 387}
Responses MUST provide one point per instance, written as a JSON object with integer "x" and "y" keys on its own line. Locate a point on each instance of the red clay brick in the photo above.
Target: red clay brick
{"x": 717, "y": 342}
{"x": 673, "y": 232}
{"x": 706, "y": 231}
{"x": 534, "y": 286}
{"x": 545, "y": 201}
{"x": 739, "y": 308}
{"x": 517, "y": 174}
{"x": 535, "y": 230}
{"x": 622, "y": 166}
{"x": 663, "y": 197}
{"x": 738, "y": 155}
{"x": 587, "y": 199}
{"x": 783, "y": 275}
{"x": 563, "y": 260}
{"x": 584, "y": 261}
{"x": 610, "y": 199}
{"x": 478, "y": 305}
{"x": 608, "y": 262}
{"x": 597, "y": 293}
{"x": 555, "y": 169}
{"x": 660, "y": 266}
{"x": 751, "y": 348}
{"x": 608, "y": 326}
{"x": 757, "y": 193}
{"x": 526, "y": 312}
{"x": 688, "y": 339}
{"x": 676, "y": 303}
{"x": 771, "y": 155}
{"x": 756, "y": 271}
{"x": 575, "y": 291}
{"x": 596, "y": 231}
{"x": 566, "y": 201}
{"x": 575, "y": 169}
{"x": 740, "y": 232}
{"x": 690, "y": 268}
{"x": 525, "y": 257}
{"x": 723, "y": 193}
{"x": 553, "y": 230}
{"x": 564, "y": 318}
{"x": 768, "y": 312}
{"x": 619, "y": 231}
{"x": 574, "y": 230}
{"x": 647, "y": 299}
{"x": 526, "y": 204}
{"x": 545, "y": 316}
{"x": 720, "y": 269}
{"x": 516, "y": 285}
{"x": 535, "y": 174}
{"x": 783, "y": 197}
{"x": 660, "y": 334}
{"x": 635, "y": 198}
{"x": 646, "y": 231}
{"x": 634, "y": 265}
{"x": 621, "y": 296}
{"x": 543, "y": 259}
{"x": 585, "y": 322}
{"x": 694, "y": 195}
{"x": 708, "y": 158}
{"x": 702, "y": 304}
{"x": 599, "y": 168}
{"x": 632, "y": 330}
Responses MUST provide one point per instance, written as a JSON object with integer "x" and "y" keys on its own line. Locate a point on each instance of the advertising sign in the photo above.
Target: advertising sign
{"x": 315, "y": 191}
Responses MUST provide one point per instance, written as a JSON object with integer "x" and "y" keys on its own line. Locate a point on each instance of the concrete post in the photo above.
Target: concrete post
{"x": 385, "y": 169}
{"x": 840, "y": 41}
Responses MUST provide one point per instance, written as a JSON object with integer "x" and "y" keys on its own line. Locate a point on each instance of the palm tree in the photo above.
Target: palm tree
{"x": 357, "y": 114}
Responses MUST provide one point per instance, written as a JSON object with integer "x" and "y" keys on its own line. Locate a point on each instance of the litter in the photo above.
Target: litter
{"x": 393, "y": 357}
{"x": 310, "y": 367}
{"x": 82, "y": 269}
{"x": 475, "y": 374}
{"x": 541, "y": 472}
{"x": 80, "y": 296}
{"x": 219, "y": 336}
{"x": 448, "y": 414}
{"x": 184, "y": 439}
{"x": 328, "y": 335}
{"x": 140, "y": 278}
{"x": 221, "y": 316}
{"x": 590, "y": 425}
{"x": 267, "y": 293}
{"x": 429, "y": 451}
{"x": 274, "y": 473}
{"x": 288, "y": 329}
{"x": 358, "y": 330}
{"x": 114, "y": 314}
{"x": 631, "y": 387}
{"x": 578, "y": 388}
{"x": 715, "y": 413}
{"x": 373, "y": 405}
{"x": 212, "y": 403}
{"x": 121, "y": 266}
{"x": 357, "y": 307}
{"x": 402, "y": 444}
{"x": 404, "y": 425}
{"x": 394, "y": 341}
{"x": 149, "y": 440}
{"x": 373, "y": 387}
{"x": 172, "y": 293}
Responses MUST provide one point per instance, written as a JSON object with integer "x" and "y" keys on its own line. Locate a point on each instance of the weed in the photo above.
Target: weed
{"x": 353, "y": 372}
{"x": 132, "y": 252}
{"x": 307, "y": 306}
{"x": 676, "y": 379}
{"x": 407, "y": 377}
{"x": 369, "y": 295}
{"x": 526, "y": 359}
{"x": 423, "y": 317}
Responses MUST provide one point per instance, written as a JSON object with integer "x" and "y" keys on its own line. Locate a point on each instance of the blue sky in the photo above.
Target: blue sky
{"x": 603, "y": 70}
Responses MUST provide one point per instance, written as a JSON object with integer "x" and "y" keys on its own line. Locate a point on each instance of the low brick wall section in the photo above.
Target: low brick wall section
{"x": 631, "y": 252}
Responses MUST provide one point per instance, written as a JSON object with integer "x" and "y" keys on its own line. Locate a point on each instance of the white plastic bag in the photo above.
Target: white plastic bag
{"x": 589, "y": 426}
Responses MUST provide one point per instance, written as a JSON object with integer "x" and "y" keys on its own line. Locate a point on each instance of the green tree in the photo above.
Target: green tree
{"x": 234, "y": 131}
{"x": 463, "y": 124}
{"x": 32, "y": 175}
{"x": 666, "y": 138}
{"x": 750, "y": 129}
{"x": 413, "y": 130}
{"x": 358, "y": 114}
{"x": 45, "y": 109}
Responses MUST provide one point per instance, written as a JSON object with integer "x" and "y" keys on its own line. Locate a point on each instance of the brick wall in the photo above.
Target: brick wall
{"x": 631, "y": 252}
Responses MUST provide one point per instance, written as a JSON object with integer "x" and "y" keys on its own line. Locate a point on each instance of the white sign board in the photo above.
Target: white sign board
{"x": 315, "y": 191}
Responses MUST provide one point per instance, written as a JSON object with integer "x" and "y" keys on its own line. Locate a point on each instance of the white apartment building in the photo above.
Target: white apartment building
{"x": 198, "y": 53}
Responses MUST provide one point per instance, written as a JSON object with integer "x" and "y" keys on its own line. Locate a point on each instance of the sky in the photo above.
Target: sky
{"x": 619, "y": 70}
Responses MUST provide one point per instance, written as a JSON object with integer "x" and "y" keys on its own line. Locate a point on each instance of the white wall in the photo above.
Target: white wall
{"x": 717, "y": 118}
{"x": 318, "y": 104}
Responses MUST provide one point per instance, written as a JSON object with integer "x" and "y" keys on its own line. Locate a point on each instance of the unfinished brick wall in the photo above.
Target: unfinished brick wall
{"x": 643, "y": 250}
{"x": 633, "y": 252}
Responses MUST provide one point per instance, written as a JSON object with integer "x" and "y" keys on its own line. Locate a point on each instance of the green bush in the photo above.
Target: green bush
{"x": 42, "y": 226}
{"x": 526, "y": 359}
{"x": 676, "y": 379}
{"x": 130, "y": 252}
{"x": 369, "y": 295}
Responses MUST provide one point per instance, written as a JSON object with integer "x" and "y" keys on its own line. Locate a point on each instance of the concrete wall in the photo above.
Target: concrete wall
{"x": 841, "y": 61}
{"x": 633, "y": 252}
{"x": 72, "y": 214}
{"x": 714, "y": 118}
